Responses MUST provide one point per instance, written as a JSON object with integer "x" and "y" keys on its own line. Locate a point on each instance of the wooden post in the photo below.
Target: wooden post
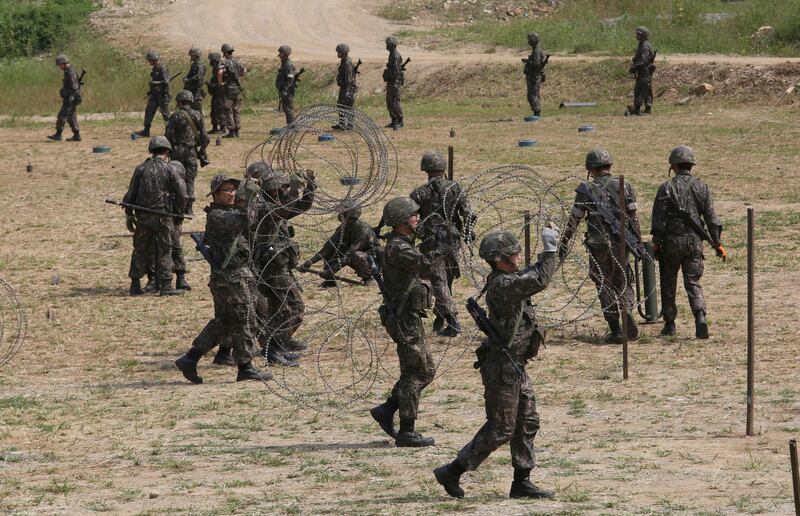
{"x": 450, "y": 170}
{"x": 623, "y": 263}
{"x": 750, "y": 318}
{"x": 795, "y": 475}
{"x": 527, "y": 238}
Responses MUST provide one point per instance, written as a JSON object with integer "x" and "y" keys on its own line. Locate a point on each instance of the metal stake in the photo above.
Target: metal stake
{"x": 623, "y": 260}
{"x": 527, "y": 238}
{"x": 450, "y": 172}
{"x": 750, "y": 318}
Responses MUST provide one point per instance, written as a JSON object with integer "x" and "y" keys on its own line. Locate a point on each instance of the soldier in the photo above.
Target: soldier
{"x": 534, "y": 73}
{"x": 229, "y": 75}
{"x": 193, "y": 81}
{"x": 642, "y": 66}
{"x": 394, "y": 78}
{"x": 70, "y": 98}
{"x": 677, "y": 229}
{"x": 346, "y": 80}
{"x": 217, "y": 95}
{"x": 406, "y": 300}
{"x": 285, "y": 82}
{"x": 158, "y": 94}
{"x": 156, "y": 184}
{"x": 445, "y": 220}
{"x": 351, "y": 245}
{"x": 614, "y": 285}
{"x": 232, "y": 284}
{"x": 276, "y": 254}
{"x": 510, "y": 403}
{"x": 187, "y": 134}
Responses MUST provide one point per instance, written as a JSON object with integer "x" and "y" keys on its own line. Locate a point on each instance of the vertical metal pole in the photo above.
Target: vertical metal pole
{"x": 450, "y": 169}
{"x": 750, "y": 317}
{"x": 623, "y": 263}
{"x": 795, "y": 475}
{"x": 527, "y": 238}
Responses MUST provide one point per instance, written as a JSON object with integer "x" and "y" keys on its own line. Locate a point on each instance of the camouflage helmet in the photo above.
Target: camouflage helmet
{"x": 598, "y": 158}
{"x": 152, "y": 56}
{"x": 214, "y": 56}
{"x": 682, "y": 155}
{"x": 533, "y": 37}
{"x": 273, "y": 181}
{"x": 285, "y": 50}
{"x": 433, "y": 162}
{"x": 226, "y": 48}
{"x": 391, "y": 40}
{"x": 499, "y": 245}
{"x": 349, "y": 210}
{"x": 342, "y": 48}
{"x": 62, "y": 59}
{"x": 398, "y": 210}
{"x": 159, "y": 143}
{"x": 194, "y": 52}
{"x": 258, "y": 169}
{"x": 220, "y": 179}
{"x": 184, "y": 96}
{"x": 644, "y": 31}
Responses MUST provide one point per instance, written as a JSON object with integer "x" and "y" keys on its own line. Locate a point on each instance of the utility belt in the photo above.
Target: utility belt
{"x": 417, "y": 298}
{"x": 490, "y": 351}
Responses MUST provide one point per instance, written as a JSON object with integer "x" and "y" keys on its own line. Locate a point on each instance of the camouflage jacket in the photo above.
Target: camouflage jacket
{"x": 213, "y": 87}
{"x": 275, "y": 247}
{"x": 394, "y": 68}
{"x": 186, "y": 132}
{"x": 403, "y": 266}
{"x": 71, "y": 86}
{"x": 443, "y": 210}
{"x": 232, "y": 72}
{"x": 508, "y": 300}
{"x": 157, "y": 184}
{"x": 349, "y": 237}
{"x": 194, "y": 79}
{"x": 159, "y": 80}
{"x": 346, "y": 77}
{"x": 605, "y": 188}
{"x": 694, "y": 197}
{"x": 534, "y": 66}
{"x": 284, "y": 81}
{"x": 642, "y": 58}
{"x": 227, "y": 235}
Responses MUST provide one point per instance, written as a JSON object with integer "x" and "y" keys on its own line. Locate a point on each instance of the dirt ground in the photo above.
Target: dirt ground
{"x": 94, "y": 417}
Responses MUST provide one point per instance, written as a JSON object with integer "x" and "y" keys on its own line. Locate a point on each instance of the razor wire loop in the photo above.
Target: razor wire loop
{"x": 13, "y": 323}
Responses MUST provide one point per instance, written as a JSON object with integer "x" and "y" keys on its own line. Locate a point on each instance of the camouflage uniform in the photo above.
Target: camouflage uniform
{"x": 643, "y": 68}
{"x": 285, "y": 84}
{"x": 70, "y": 98}
{"x": 534, "y": 74}
{"x": 194, "y": 80}
{"x": 217, "y": 114}
{"x": 351, "y": 245}
{"x": 346, "y": 80}
{"x": 232, "y": 72}
{"x": 155, "y": 184}
{"x": 394, "y": 78}
{"x": 158, "y": 99}
{"x": 187, "y": 132}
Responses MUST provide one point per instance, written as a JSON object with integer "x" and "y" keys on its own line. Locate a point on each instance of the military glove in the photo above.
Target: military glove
{"x": 130, "y": 223}
{"x": 311, "y": 176}
{"x": 550, "y": 237}
{"x": 721, "y": 252}
{"x": 251, "y": 187}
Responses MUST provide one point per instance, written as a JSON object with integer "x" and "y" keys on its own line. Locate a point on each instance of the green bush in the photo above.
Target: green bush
{"x": 29, "y": 27}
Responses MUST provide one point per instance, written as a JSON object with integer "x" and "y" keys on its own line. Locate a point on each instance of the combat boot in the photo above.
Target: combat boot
{"x": 615, "y": 330}
{"x": 236, "y": 132}
{"x": 275, "y": 357}
{"x": 438, "y": 323}
{"x": 214, "y": 129}
{"x": 700, "y": 325}
{"x": 636, "y": 111}
{"x": 231, "y": 134}
{"x": 669, "y": 329}
{"x": 648, "y": 110}
{"x": 76, "y": 137}
{"x": 180, "y": 282}
{"x": 328, "y": 283}
{"x": 187, "y": 365}
{"x": 522, "y": 487}
{"x": 384, "y": 415}
{"x": 633, "y": 328}
{"x": 399, "y": 124}
{"x": 144, "y": 132}
{"x": 152, "y": 283}
{"x": 391, "y": 125}
{"x": 136, "y": 287}
{"x": 452, "y": 329}
{"x": 537, "y": 113}
{"x": 167, "y": 290}
{"x": 223, "y": 357}
{"x": 56, "y": 137}
{"x": 408, "y": 438}
{"x": 449, "y": 477}
{"x": 248, "y": 372}
{"x": 295, "y": 345}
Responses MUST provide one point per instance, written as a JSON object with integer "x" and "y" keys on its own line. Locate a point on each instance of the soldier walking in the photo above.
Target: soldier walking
{"x": 614, "y": 281}
{"x": 156, "y": 184}
{"x": 217, "y": 93}
{"x": 158, "y": 95}
{"x": 186, "y": 132}
{"x": 678, "y": 235}
{"x": 195, "y": 78}
{"x": 510, "y": 402}
{"x": 445, "y": 219}
{"x": 229, "y": 75}
{"x": 642, "y": 67}
{"x": 70, "y": 98}
{"x": 232, "y": 283}
{"x": 394, "y": 78}
{"x": 346, "y": 80}
{"x": 534, "y": 73}
{"x": 406, "y": 300}
{"x": 285, "y": 82}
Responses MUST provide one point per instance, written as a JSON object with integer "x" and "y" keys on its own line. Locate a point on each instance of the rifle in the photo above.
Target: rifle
{"x": 297, "y": 78}
{"x": 80, "y": 77}
{"x": 405, "y": 63}
{"x": 356, "y": 67}
{"x": 378, "y": 228}
{"x": 148, "y": 210}
{"x": 152, "y": 83}
{"x": 337, "y": 278}
{"x": 375, "y": 272}
{"x": 690, "y": 221}
{"x": 612, "y": 221}
{"x": 485, "y": 325}
{"x": 203, "y": 249}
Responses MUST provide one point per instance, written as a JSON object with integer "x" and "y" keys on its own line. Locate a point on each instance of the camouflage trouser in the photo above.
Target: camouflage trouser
{"x": 393, "y": 100}
{"x": 152, "y": 244}
{"x": 417, "y": 368}
{"x": 235, "y": 296}
{"x": 68, "y": 114}
{"x": 534, "y": 86}
{"x": 178, "y": 262}
{"x": 287, "y": 104}
{"x": 155, "y": 103}
{"x": 346, "y": 100}
{"x": 510, "y": 416}
{"x": 358, "y": 261}
{"x": 233, "y": 106}
{"x": 643, "y": 91}
{"x": 285, "y": 307}
{"x": 684, "y": 253}
{"x": 217, "y": 111}
{"x": 441, "y": 278}
{"x": 188, "y": 158}
{"x": 613, "y": 286}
